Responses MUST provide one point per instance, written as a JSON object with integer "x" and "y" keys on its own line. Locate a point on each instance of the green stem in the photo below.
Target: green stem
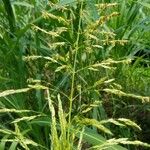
{"x": 76, "y": 45}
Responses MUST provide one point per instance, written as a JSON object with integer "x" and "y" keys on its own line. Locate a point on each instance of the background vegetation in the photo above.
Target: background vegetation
{"x": 69, "y": 78}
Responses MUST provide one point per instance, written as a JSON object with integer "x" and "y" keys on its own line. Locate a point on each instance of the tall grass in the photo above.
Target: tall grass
{"x": 59, "y": 79}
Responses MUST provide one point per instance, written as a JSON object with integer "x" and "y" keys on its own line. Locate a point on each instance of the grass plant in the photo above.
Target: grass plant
{"x": 66, "y": 76}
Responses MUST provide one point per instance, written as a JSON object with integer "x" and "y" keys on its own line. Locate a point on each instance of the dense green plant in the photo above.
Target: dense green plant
{"x": 58, "y": 78}
{"x": 132, "y": 24}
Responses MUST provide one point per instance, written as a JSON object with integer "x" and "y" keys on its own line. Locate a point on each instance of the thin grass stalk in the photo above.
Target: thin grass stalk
{"x": 79, "y": 147}
{"x": 74, "y": 70}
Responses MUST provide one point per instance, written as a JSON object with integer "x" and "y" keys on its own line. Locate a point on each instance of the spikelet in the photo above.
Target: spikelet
{"x": 63, "y": 123}
{"x": 109, "y": 143}
{"x": 6, "y": 131}
{"x": 129, "y": 123}
{"x": 47, "y": 15}
{"x": 121, "y": 93}
{"x": 24, "y": 142}
{"x": 38, "y": 87}
{"x": 59, "y": 7}
{"x": 20, "y": 137}
{"x": 113, "y": 121}
{"x": 6, "y": 110}
{"x": 101, "y": 21}
{"x": 34, "y": 57}
{"x": 114, "y": 42}
{"x": 56, "y": 33}
{"x": 12, "y": 91}
{"x": 86, "y": 108}
{"x": 56, "y": 45}
{"x": 28, "y": 118}
{"x": 93, "y": 122}
{"x": 105, "y": 5}
{"x": 54, "y": 134}
{"x": 122, "y": 122}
